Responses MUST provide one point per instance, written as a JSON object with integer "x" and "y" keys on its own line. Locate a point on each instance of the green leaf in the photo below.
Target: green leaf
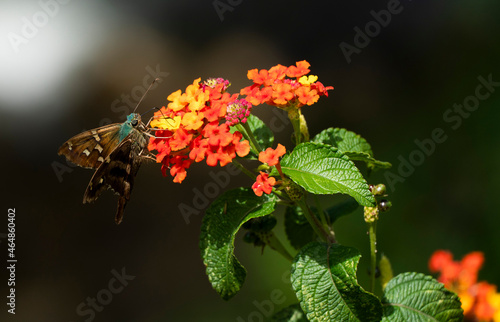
{"x": 322, "y": 169}
{"x": 352, "y": 144}
{"x": 298, "y": 229}
{"x": 343, "y": 140}
{"x": 261, "y": 133}
{"x": 417, "y": 297}
{"x": 370, "y": 161}
{"x": 385, "y": 268}
{"x": 292, "y": 313}
{"x": 324, "y": 279}
{"x": 222, "y": 221}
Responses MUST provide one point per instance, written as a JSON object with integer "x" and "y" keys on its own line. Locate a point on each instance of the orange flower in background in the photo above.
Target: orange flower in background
{"x": 189, "y": 129}
{"x": 271, "y": 156}
{"x": 273, "y": 88}
{"x": 263, "y": 184}
{"x": 439, "y": 260}
{"x": 480, "y": 301}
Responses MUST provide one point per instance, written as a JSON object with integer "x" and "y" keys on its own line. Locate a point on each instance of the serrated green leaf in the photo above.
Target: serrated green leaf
{"x": 418, "y": 297}
{"x": 292, "y": 313}
{"x": 324, "y": 279}
{"x": 352, "y": 145}
{"x": 370, "y": 161}
{"x": 343, "y": 140}
{"x": 322, "y": 169}
{"x": 222, "y": 221}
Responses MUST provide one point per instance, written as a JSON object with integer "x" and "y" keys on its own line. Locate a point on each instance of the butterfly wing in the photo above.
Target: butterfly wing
{"x": 118, "y": 172}
{"x": 89, "y": 149}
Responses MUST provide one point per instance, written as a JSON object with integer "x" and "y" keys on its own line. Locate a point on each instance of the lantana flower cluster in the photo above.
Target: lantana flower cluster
{"x": 480, "y": 300}
{"x": 195, "y": 125}
{"x": 284, "y": 86}
{"x": 189, "y": 129}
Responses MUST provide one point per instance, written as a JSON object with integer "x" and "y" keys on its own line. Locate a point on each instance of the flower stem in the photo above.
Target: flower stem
{"x": 276, "y": 244}
{"x": 372, "y": 231}
{"x": 294, "y": 117}
{"x": 278, "y": 168}
{"x": 244, "y": 170}
{"x": 244, "y": 128}
{"x": 321, "y": 212}
{"x": 283, "y": 196}
{"x": 314, "y": 222}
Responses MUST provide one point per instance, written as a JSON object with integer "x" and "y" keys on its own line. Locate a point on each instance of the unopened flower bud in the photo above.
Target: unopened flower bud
{"x": 371, "y": 214}
{"x": 238, "y": 111}
{"x": 384, "y": 205}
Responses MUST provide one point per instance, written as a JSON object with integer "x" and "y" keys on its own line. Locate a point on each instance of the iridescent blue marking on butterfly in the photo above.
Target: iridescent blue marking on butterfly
{"x": 116, "y": 151}
{"x": 128, "y": 126}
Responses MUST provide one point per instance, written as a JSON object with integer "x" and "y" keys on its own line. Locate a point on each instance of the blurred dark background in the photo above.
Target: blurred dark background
{"x": 68, "y": 67}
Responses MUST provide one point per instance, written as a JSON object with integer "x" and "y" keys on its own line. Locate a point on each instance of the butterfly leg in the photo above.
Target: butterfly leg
{"x": 157, "y": 137}
{"x": 122, "y": 202}
{"x": 150, "y": 119}
{"x": 147, "y": 155}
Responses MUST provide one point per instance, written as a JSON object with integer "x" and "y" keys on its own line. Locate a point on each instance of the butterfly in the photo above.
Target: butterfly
{"x": 116, "y": 151}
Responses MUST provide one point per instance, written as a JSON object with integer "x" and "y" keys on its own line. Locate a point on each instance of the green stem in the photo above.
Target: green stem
{"x": 284, "y": 202}
{"x": 244, "y": 128}
{"x": 314, "y": 222}
{"x": 296, "y": 128}
{"x": 373, "y": 252}
{"x": 283, "y": 196}
{"x": 276, "y": 244}
{"x": 244, "y": 170}
{"x": 321, "y": 212}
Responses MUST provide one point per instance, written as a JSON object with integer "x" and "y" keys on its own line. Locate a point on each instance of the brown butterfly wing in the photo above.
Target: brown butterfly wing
{"x": 89, "y": 149}
{"x": 118, "y": 172}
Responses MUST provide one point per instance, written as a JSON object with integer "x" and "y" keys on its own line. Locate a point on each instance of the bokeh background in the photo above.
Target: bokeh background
{"x": 66, "y": 67}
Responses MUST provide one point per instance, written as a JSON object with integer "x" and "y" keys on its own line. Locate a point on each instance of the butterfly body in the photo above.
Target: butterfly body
{"x": 116, "y": 151}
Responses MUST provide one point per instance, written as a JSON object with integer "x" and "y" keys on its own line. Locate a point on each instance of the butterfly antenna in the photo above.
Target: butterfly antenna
{"x": 153, "y": 108}
{"x": 156, "y": 108}
{"x": 143, "y": 95}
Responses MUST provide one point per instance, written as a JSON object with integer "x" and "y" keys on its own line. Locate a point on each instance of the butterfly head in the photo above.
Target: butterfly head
{"x": 134, "y": 119}
{"x": 132, "y": 123}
